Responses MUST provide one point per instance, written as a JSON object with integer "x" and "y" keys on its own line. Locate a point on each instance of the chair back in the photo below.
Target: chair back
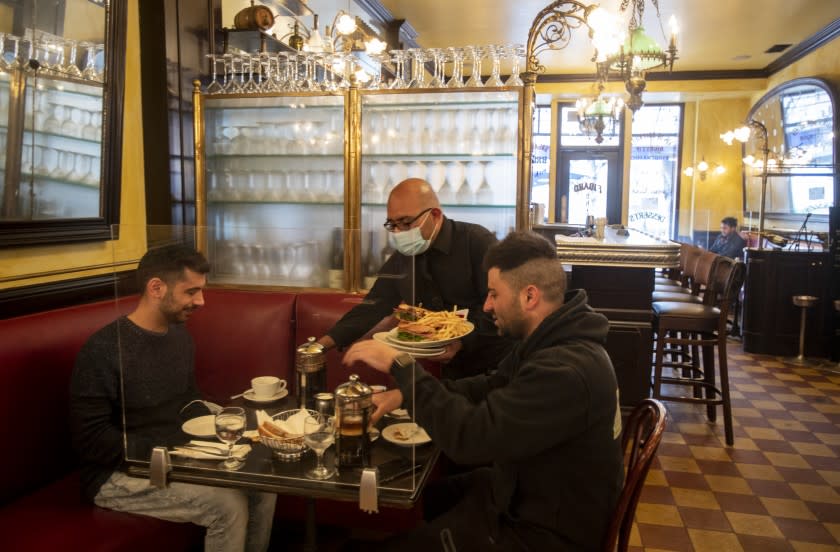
{"x": 689, "y": 255}
{"x": 639, "y": 441}
{"x": 727, "y": 281}
{"x": 703, "y": 272}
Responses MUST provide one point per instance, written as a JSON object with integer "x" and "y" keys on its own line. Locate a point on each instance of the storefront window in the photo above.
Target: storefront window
{"x": 653, "y": 169}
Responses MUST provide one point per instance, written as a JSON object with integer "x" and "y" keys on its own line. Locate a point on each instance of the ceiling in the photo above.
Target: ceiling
{"x": 729, "y": 35}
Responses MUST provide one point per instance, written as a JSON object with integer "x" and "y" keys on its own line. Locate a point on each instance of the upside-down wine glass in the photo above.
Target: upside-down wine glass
{"x": 475, "y": 74}
{"x": 214, "y": 87}
{"x": 230, "y": 425}
{"x": 319, "y": 434}
{"x": 495, "y": 79}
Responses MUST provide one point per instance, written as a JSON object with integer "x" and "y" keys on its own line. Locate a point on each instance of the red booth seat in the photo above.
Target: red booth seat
{"x": 238, "y": 335}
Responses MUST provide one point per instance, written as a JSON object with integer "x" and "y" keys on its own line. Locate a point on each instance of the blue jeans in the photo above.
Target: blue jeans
{"x": 235, "y": 519}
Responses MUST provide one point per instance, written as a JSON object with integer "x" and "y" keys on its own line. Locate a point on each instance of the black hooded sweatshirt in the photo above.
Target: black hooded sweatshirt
{"x": 548, "y": 423}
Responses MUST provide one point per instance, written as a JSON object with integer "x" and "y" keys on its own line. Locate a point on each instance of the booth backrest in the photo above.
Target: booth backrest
{"x": 239, "y": 335}
{"x": 37, "y": 353}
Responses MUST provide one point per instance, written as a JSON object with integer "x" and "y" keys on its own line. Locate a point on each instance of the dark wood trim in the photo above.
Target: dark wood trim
{"x": 707, "y": 75}
{"x": 810, "y": 44}
{"x": 155, "y": 101}
{"x": 66, "y": 293}
{"x": 390, "y": 25}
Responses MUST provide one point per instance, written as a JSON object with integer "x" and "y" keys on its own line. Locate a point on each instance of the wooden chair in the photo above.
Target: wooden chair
{"x": 639, "y": 441}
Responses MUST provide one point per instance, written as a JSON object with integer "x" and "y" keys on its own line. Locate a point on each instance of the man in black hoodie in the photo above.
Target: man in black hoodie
{"x": 547, "y": 421}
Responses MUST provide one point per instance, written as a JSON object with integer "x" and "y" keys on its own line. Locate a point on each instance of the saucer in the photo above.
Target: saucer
{"x": 251, "y": 396}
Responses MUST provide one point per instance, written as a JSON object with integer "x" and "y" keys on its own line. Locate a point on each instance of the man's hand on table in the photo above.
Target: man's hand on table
{"x": 385, "y": 402}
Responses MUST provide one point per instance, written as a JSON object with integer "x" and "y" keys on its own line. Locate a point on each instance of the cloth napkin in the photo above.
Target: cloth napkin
{"x": 240, "y": 451}
{"x": 293, "y": 425}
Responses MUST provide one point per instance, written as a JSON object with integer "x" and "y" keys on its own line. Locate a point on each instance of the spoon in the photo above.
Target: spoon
{"x": 241, "y": 394}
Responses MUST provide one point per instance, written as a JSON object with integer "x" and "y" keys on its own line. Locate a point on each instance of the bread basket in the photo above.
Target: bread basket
{"x": 286, "y": 449}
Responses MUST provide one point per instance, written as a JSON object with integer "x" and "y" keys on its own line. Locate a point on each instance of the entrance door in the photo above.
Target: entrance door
{"x": 589, "y": 183}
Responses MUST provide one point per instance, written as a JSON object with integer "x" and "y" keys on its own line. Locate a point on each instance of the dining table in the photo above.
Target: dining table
{"x": 264, "y": 471}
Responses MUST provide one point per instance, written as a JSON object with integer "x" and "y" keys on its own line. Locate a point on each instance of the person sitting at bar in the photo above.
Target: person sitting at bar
{"x": 547, "y": 421}
{"x": 445, "y": 257}
{"x": 139, "y": 370}
{"x": 729, "y": 243}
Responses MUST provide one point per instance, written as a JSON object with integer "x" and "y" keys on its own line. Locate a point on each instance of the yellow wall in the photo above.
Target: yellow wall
{"x": 25, "y": 266}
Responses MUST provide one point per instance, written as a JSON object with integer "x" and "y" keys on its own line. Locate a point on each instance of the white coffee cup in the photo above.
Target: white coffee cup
{"x": 267, "y": 386}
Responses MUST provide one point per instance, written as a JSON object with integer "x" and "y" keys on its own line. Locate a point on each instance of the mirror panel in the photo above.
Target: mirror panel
{"x": 61, "y": 73}
{"x": 801, "y": 171}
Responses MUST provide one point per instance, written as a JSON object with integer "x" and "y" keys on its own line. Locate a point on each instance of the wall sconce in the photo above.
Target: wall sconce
{"x": 702, "y": 169}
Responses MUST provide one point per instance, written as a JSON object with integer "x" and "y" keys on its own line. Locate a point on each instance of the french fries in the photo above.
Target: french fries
{"x": 431, "y": 325}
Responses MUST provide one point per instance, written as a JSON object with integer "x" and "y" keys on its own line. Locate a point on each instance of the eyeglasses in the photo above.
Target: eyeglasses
{"x": 404, "y": 223}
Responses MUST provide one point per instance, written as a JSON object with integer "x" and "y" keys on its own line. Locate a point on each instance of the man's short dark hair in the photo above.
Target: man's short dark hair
{"x": 526, "y": 258}
{"x": 168, "y": 264}
{"x": 516, "y": 249}
{"x": 731, "y": 222}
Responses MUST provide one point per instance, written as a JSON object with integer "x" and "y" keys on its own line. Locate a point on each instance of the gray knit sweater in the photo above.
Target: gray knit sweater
{"x": 158, "y": 380}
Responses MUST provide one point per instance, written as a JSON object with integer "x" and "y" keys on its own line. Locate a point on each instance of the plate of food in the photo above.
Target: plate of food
{"x": 421, "y": 328}
{"x": 407, "y": 434}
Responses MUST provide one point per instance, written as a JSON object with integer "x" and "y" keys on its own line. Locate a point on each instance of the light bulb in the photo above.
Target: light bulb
{"x": 346, "y": 24}
{"x": 689, "y": 171}
{"x": 720, "y": 169}
{"x": 374, "y": 46}
{"x": 702, "y": 166}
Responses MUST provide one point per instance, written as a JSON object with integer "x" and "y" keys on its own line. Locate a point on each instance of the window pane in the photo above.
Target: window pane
{"x": 572, "y": 135}
{"x": 653, "y": 169}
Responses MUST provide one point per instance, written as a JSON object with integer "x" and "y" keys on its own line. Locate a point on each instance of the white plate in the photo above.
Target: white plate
{"x": 203, "y": 426}
{"x": 251, "y": 396}
{"x": 418, "y": 352}
{"x": 392, "y": 338}
{"x": 419, "y": 438}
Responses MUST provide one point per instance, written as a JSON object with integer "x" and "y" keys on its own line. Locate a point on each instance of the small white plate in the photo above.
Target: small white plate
{"x": 418, "y": 352}
{"x": 203, "y": 426}
{"x": 251, "y": 396}
{"x": 418, "y": 438}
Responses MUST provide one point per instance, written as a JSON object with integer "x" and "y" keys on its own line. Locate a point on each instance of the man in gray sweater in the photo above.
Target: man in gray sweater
{"x": 547, "y": 421}
{"x": 130, "y": 384}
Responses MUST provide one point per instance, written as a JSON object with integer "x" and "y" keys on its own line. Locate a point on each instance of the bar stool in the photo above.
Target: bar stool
{"x": 805, "y": 302}
{"x": 703, "y": 326}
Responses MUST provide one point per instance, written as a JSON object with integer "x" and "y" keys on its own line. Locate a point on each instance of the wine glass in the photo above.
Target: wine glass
{"x": 319, "y": 434}
{"x": 230, "y": 425}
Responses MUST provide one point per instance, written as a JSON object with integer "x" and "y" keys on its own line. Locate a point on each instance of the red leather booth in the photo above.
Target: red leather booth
{"x": 238, "y": 335}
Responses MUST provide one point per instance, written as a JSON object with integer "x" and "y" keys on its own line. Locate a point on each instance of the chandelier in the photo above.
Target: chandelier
{"x": 630, "y": 56}
{"x": 599, "y": 114}
{"x": 703, "y": 168}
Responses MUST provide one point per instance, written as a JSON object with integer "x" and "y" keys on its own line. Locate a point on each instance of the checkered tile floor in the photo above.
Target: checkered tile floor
{"x": 778, "y": 488}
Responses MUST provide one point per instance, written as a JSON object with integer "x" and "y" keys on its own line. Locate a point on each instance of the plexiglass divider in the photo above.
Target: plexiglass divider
{"x": 182, "y": 351}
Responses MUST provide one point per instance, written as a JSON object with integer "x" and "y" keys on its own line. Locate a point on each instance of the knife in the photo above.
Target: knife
{"x": 206, "y": 450}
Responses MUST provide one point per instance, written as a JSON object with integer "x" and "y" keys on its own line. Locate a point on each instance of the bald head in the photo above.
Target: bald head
{"x": 411, "y": 196}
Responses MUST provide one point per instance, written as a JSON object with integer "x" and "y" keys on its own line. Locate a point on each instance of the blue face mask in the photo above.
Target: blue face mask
{"x": 411, "y": 242}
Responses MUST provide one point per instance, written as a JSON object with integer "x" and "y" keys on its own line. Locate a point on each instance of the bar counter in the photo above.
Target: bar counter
{"x": 618, "y": 274}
